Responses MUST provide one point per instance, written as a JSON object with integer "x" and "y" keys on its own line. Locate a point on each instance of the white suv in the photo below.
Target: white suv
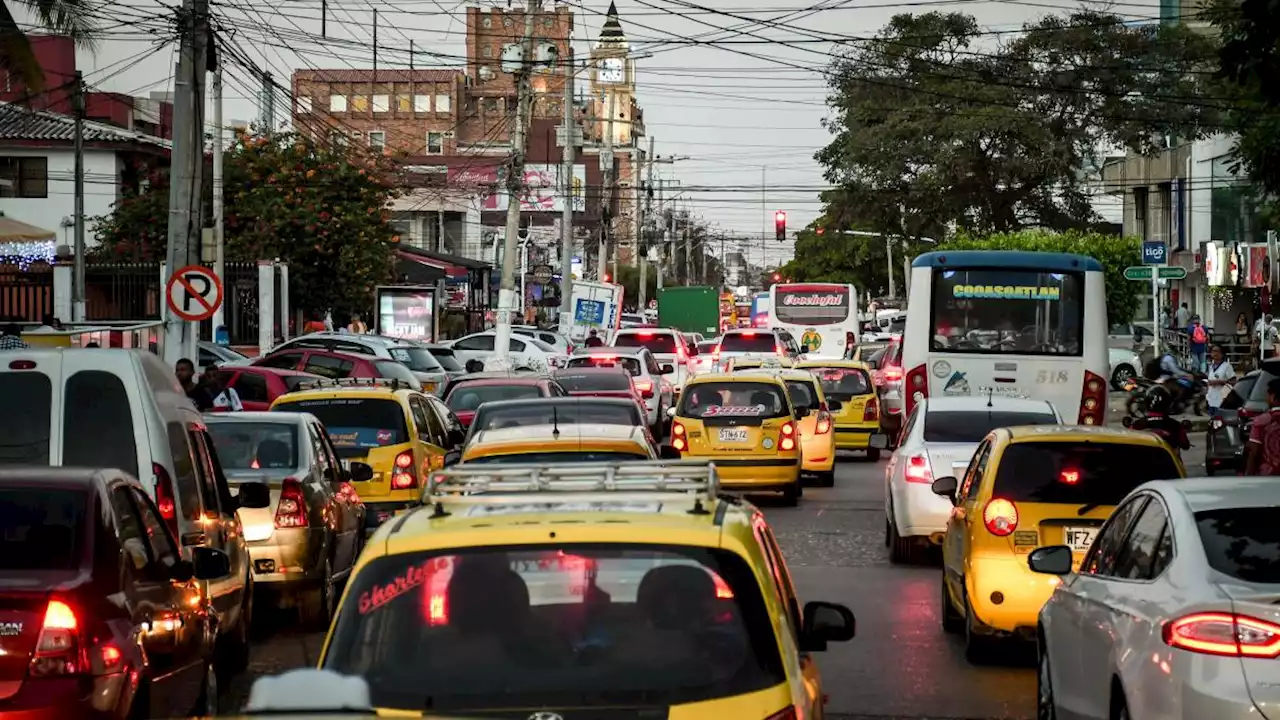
{"x": 756, "y": 344}
{"x": 667, "y": 345}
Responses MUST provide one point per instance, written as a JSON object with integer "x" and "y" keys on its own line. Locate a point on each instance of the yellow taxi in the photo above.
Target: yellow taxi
{"x": 1028, "y": 487}
{"x": 757, "y": 363}
{"x": 857, "y": 421}
{"x": 745, "y": 423}
{"x": 582, "y": 590}
{"x": 563, "y": 443}
{"x": 814, "y": 423}
{"x": 401, "y": 433}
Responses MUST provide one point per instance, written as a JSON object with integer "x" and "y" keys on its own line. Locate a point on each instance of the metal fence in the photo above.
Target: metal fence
{"x": 26, "y": 295}
{"x": 122, "y": 291}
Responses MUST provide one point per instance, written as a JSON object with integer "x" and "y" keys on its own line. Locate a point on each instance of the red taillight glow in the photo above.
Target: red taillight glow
{"x": 1001, "y": 517}
{"x": 604, "y": 358}
{"x": 893, "y": 373}
{"x": 824, "y": 422}
{"x": 678, "y": 438}
{"x": 402, "y": 476}
{"x": 918, "y": 469}
{"x": 347, "y": 492}
{"x": 749, "y": 333}
{"x": 722, "y": 588}
{"x": 291, "y": 511}
{"x": 1069, "y": 477}
{"x": 165, "y": 501}
{"x": 1093, "y": 399}
{"x": 871, "y": 411}
{"x": 917, "y": 385}
{"x": 788, "y": 441}
{"x": 58, "y": 647}
{"x": 644, "y": 387}
{"x": 437, "y": 609}
{"x": 1213, "y": 633}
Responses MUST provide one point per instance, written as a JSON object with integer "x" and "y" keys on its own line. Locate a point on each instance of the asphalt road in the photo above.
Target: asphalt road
{"x": 900, "y": 665}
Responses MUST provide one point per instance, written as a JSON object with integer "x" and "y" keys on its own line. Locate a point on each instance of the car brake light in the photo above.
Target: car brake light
{"x": 438, "y": 609}
{"x": 917, "y": 387}
{"x": 777, "y": 349}
{"x": 722, "y": 588}
{"x": 788, "y": 441}
{"x": 347, "y": 492}
{"x": 824, "y": 422}
{"x": 603, "y": 358}
{"x": 871, "y": 411}
{"x": 678, "y": 439}
{"x": 1000, "y": 517}
{"x": 165, "y": 501}
{"x": 749, "y": 333}
{"x": 1093, "y": 399}
{"x": 893, "y": 373}
{"x": 291, "y": 512}
{"x": 645, "y": 387}
{"x": 918, "y": 469}
{"x": 58, "y": 647}
{"x": 1220, "y": 633}
{"x": 645, "y": 334}
{"x": 402, "y": 475}
{"x": 1069, "y": 477}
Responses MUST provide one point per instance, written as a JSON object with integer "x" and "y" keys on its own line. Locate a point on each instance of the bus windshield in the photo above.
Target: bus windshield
{"x": 1007, "y": 311}
{"x": 811, "y": 305}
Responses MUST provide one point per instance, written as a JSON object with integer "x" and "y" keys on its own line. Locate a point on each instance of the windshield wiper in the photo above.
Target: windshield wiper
{"x": 1084, "y": 509}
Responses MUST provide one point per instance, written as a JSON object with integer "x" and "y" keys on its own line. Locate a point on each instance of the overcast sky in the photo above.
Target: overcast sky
{"x": 745, "y": 113}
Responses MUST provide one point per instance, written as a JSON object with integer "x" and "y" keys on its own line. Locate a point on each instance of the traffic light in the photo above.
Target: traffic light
{"x": 777, "y": 277}
{"x": 780, "y": 225}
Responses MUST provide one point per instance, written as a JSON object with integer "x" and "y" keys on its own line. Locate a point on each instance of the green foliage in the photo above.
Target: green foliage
{"x": 1115, "y": 253}
{"x": 629, "y": 278}
{"x": 312, "y": 207}
{"x": 840, "y": 258}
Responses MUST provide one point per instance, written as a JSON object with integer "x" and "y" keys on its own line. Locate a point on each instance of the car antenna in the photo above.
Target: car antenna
{"x": 555, "y": 423}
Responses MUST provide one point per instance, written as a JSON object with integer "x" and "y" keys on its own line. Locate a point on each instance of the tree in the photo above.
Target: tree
{"x": 837, "y": 257}
{"x": 1114, "y": 253}
{"x": 311, "y": 206}
{"x": 73, "y": 18}
{"x": 934, "y": 131}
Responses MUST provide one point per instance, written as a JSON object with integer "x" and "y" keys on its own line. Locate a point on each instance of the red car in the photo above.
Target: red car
{"x": 468, "y": 393}
{"x": 329, "y": 364}
{"x": 258, "y": 387}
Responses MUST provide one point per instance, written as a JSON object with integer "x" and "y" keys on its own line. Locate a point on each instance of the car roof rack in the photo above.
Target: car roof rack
{"x": 695, "y": 480}
{"x": 329, "y": 383}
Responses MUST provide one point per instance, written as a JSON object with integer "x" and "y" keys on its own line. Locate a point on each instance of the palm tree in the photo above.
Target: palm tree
{"x": 74, "y": 18}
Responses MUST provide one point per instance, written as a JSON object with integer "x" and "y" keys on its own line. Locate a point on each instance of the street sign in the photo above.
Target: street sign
{"x": 543, "y": 273}
{"x": 1164, "y": 272}
{"x": 1154, "y": 252}
{"x": 194, "y": 293}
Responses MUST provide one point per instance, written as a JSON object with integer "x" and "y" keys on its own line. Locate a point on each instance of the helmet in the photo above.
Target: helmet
{"x": 1159, "y": 400}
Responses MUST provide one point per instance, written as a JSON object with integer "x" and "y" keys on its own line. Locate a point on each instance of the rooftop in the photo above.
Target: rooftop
{"x": 20, "y": 123}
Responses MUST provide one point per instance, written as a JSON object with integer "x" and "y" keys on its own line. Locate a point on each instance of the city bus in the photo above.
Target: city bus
{"x": 760, "y": 310}
{"x": 1009, "y": 323}
{"x": 821, "y": 316}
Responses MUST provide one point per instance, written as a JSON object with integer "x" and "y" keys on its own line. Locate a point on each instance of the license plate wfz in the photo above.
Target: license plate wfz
{"x": 1079, "y": 539}
{"x": 733, "y": 434}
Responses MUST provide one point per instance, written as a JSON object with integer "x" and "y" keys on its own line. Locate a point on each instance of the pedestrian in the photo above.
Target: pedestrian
{"x": 1221, "y": 376}
{"x": 224, "y": 398}
{"x": 357, "y": 325}
{"x": 1264, "y": 436}
{"x": 1198, "y": 341}
{"x": 1182, "y": 317}
{"x": 49, "y": 324}
{"x": 593, "y": 339}
{"x": 11, "y": 338}
{"x": 314, "y": 324}
{"x": 186, "y": 372}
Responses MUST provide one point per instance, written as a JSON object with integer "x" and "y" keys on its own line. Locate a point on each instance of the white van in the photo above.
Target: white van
{"x": 124, "y": 409}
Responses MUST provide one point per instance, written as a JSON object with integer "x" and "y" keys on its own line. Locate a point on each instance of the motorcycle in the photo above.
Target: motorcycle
{"x": 1135, "y": 404}
{"x": 1188, "y": 396}
{"x": 1173, "y": 432}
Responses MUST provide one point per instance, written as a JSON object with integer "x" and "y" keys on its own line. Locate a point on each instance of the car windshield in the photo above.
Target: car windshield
{"x": 749, "y": 342}
{"x": 355, "y": 425}
{"x": 446, "y": 358}
{"x": 659, "y": 343}
{"x": 557, "y": 457}
{"x": 1079, "y": 473}
{"x": 1007, "y": 311}
{"x": 255, "y": 445}
{"x": 843, "y": 383}
{"x": 629, "y": 363}
{"x": 1243, "y": 543}
{"x": 416, "y": 358}
{"x": 469, "y": 396}
{"x": 506, "y": 628}
{"x": 601, "y": 381}
{"x": 501, "y": 415}
{"x": 970, "y": 426}
{"x": 41, "y": 528}
{"x": 740, "y": 400}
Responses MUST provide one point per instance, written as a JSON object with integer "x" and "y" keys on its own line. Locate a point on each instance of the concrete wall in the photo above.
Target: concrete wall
{"x": 102, "y": 173}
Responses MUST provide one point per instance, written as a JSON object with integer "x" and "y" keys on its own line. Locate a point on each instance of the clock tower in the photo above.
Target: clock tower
{"x": 613, "y": 81}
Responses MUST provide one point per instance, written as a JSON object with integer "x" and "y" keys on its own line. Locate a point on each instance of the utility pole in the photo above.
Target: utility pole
{"x": 566, "y": 217}
{"x": 688, "y": 251}
{"x": 645, "y": 225}
{"x": 515, "y": 190}
{"x": 186, "y": 165}
{"x": 78, "y": 313}
{"x": 219, "y": 260}
{"x": 268, "y": 103}
{"x": 606, "y": 162}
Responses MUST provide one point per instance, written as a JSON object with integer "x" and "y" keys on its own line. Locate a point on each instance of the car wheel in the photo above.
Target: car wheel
{"x": 235, "y": 655}
{"x": 902, "y": 550}
{"x": 791, "y": 495}
{"x": 206, "y": 705}
{"x": 826, "y": 478}
{"x": 952, "y": 622}
{"x": 1045, "y": 709}
{"x": 1121, "y": 374}
{"x": 978, "y": 648}
{"x": 316, "y": 609}
{"x": 873, "y": 455}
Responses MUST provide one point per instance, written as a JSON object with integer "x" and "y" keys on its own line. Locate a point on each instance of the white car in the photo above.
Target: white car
{"x": 557, "y": 341}
{"x": 704, "y": 361}
{"x": 1174, "y": 613}
{"x": 525, "y": 351}
{"x": 1125, "y": 364}
{"x": 938, "y": 440}
{"x": 667, "y": 345}
{"x": 647, "y": 375}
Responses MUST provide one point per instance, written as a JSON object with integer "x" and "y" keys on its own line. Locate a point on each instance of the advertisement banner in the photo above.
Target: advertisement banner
{"x": 407, "y": 312}
{"x": 1215, "y": 264}
{"x": 542, "y": 190}
{"x": 1259, "y": 266}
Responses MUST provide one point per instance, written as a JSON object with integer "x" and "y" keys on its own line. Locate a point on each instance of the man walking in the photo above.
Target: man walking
{"x": 1221, "y": 378}
{"x": 1197, "y": 340}
{"x": 224, "y": 398}
{"x": 1264, "y": 436}
{"x": 186, "y": 372}
{"x": 11, "y": 338}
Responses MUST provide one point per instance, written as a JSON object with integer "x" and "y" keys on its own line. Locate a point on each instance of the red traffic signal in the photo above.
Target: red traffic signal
{"x": 776, "y": 277}
{"x": 780, "y": 225}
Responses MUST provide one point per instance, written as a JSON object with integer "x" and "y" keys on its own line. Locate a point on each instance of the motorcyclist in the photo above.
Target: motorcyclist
{"x": 1159, "y": 421}
{"x": 1165, "y": 371}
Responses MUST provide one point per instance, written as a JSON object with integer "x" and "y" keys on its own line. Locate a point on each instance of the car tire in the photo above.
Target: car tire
{"x": 873, "y": 455}
{"x": 902, "y": 550}
{"x": 206, "y": 705}
{"x": 316, "y": 609}
{"x": 234, "y": 657}
{"x": 952, "y": 621}
{"x": 792, "y": 494}
{"x": 1045, "y": 708}
{"x": 978, "y": 648}
{"x": 826, "y": 478}
{"x": 1120, "y": 374}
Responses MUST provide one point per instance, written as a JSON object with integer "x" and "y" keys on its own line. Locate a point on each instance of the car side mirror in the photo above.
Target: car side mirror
{"x": 361, "y": 472}
{"x": 453, "y": 457}
{"x": 667, "y": 452}
{"x": 834, "y": 406}
{"x": 826, "y": 622}
{"x": 253, "y": 495}
{"x": 667, "y": 369}
{"x": 946, "y": 487}
{"x": 671, "y": 412}
{"x": 1051, "y": 560}
{"x": 206, "y": 564}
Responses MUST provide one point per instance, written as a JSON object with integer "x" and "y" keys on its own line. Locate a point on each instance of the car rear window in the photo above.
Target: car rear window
{"x": 355, "y": 424}
{"x": 1243, "y": 543}
{"x": 393, "y": 370}
{"x": 256, "y": 445}
{"x": 557, "y": 458}
{"x": 588, "y": 411}
{"x": 24, "y": 424}
{"x": 1240, "y": 392}
{"x": 415, "y": 358}
{"x": 469, "y": 396}
{"x": 41, "y": 528}
{"x": 970, "y": 426}
{"x": 658, "y": 343}
{"x": 748, "y": 342}
{"x": 629, "y": 363}
{"x": 447, "y": 359}
{"x": 603, "y": 381}
{"x": 98, "y": 414}
{"x": 744, "y": 400}
{"x": 707, "y": 347}
{"x": 508, "y": 628}
{"x": 842, "y": 383}
{"x": 1079, "y": 473}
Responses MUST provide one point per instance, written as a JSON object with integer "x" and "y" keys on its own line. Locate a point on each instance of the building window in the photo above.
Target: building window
{"x": 487, "y": 51}
{"x": 491, "y": 105}
{"x": 422, "y": 103}
{"x": 24, "y": 177}
{"x": 359, "y": 103}
{"x": 404, "y": 103}
{"x": 548, "y": 22}
{"x": 378, "y": 139}
{"x": 337, "y": 103}
{"x": 435, "y": 143}
{"x": 442, "y": 103}
{"x": 304, "y": 104}
{"x": 381, "y": 103}
{"x": 1140, "y": 214}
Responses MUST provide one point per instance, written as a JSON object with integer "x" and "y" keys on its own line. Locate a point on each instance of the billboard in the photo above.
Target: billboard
{"x": 542, "y": 188}
{"x": 407, "y": 312}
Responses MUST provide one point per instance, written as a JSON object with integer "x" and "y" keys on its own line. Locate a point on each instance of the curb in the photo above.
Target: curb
{"x": 1199, "y": 423}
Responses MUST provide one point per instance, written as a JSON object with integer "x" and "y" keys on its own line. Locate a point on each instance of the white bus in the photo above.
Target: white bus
{"x": 821, "y": 316}
{"x": 1019, "y": 324}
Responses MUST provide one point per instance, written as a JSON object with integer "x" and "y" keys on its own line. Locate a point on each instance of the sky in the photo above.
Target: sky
{"x": 740, "y": 113}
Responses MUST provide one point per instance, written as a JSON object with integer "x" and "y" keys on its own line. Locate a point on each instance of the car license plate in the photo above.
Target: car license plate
{"x": 733, "y": 434}
{"x": 429, "y": 387}
{"x": 1079, "y": 539}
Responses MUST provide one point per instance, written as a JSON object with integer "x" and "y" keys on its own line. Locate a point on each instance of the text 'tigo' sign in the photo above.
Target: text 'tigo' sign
{"x": 1154, "y": 252}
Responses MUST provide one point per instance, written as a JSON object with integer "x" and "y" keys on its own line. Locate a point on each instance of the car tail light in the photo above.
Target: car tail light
{"x": 892, "y": 373}
{"x": 58, "y": 650}
{"x": 789, "y": 713}
{"x": 1000, "y": 517}
{"x": 604, "y": 358}
{"x": 748, "y": 333}
{"x": 1069, "y": 477}
{"x": 402, "y": 475}
{"x": 644, "y": 387}
{"x": 918, "y": 469}
{"x": 917, "y": 387}
{"x": 438, "y": 609}
{"x": 788, "y": 441}
{"x": 166, "y": 503}
{"x": 871, "y": 411}
{"x": 291, "y": 512}
{"x": 824, "y": 422}
{"x": 723, "y": 592}
{"x": 347, "y": 492}
{"x": 1093, "y": 399}
{"x": 679, "y": 440}
{"x": 1220, "y": 633}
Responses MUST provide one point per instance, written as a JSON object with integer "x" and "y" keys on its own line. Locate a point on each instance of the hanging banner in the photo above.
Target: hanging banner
{"x": 1259, "y": 274}
{"x": 1215, "y": 264}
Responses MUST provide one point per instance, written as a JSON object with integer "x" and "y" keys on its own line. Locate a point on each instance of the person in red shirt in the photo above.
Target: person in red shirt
{"x": 1264, "y": 436}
